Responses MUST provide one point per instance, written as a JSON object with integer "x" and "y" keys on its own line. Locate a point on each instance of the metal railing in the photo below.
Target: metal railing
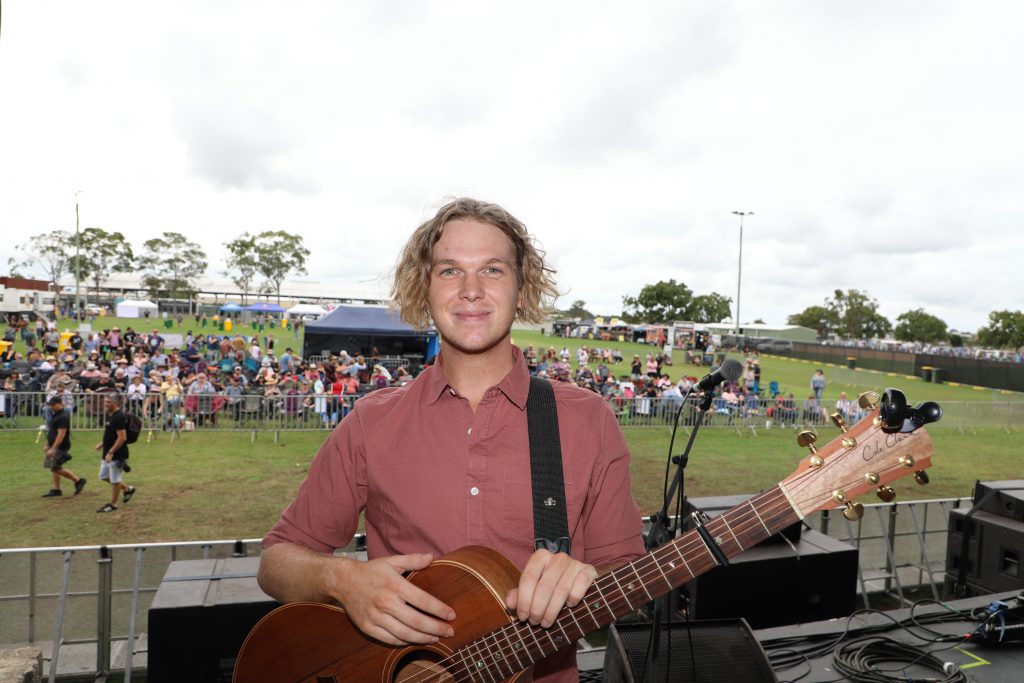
{"x": 83, "y": 596}
{"x": 90, "y": 595}
{"x": 288, "y": 409}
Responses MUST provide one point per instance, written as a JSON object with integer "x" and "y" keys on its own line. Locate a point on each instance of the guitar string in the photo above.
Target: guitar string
{"x": 774, "y": 501}
{"x": 744, "y": 522}
{"x": 769, "y": 507}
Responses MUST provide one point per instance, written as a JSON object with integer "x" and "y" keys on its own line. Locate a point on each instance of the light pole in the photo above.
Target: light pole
{"x": 78, "y": 265}
{"x": 739, "y": 271}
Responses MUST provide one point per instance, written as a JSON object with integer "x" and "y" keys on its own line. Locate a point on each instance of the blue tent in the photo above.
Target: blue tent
{"x": 230, "y": 308}
{"x": 358, "y": 329}
{"x": 264, "y": 307}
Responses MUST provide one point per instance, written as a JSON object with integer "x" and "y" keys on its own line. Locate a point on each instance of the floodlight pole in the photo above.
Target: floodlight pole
{"x": 739, "y": 271}
{"x": 78, "y": 265}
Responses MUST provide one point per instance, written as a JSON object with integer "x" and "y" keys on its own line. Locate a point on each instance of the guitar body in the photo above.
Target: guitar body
{"x": 316, "y": 643}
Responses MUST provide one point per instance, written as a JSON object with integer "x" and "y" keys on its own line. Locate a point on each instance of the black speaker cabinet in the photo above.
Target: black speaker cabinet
{"x": 995, "y": 550}
{"x": 724, "y": 651}
{"x": 200, "y": 616}
{"x": 716, "y": 505}
{"x": 775, "y": 585}
{"x": 1007, "y": 501}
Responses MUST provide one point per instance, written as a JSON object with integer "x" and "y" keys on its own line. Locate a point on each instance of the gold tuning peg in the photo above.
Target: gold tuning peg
{"x": 838, "y": 421}
{"x": 853, "y": 511}
{"x": 869, "y": 400}
{"x": 921, "y": 477}
{"x": 806, "y": 439}
{"x": 886, "y": 493}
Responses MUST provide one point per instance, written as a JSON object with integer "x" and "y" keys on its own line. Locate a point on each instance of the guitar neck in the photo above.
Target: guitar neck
{"x": 512, "y": 648}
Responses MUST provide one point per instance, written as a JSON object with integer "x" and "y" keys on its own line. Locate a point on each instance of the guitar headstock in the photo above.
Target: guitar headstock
{"x": 887, "y": 443}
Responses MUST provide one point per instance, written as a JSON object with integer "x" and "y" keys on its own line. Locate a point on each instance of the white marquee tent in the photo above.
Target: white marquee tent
{"x": 131, "y": 308}
{"x": 305, "y": 309}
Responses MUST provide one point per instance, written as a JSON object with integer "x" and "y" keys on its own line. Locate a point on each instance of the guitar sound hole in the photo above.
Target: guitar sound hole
{"x": 422, "y": 667}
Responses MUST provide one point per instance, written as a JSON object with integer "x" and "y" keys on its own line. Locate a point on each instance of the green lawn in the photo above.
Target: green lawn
{"x": 216, "y": 486}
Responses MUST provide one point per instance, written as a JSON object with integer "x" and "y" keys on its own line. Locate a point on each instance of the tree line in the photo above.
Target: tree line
{"x": 849, "y": 314}
{"x": 169, "y": 264}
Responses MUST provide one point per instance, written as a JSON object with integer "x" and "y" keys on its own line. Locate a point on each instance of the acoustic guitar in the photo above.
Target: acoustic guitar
{"x": 316, "y": 643}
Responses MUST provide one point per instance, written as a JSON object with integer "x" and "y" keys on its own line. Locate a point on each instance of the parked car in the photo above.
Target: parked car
{"x": 776, "y": 346}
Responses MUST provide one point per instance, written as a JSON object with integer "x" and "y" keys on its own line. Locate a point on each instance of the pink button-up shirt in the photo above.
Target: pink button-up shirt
{"x": 433, "y": 476}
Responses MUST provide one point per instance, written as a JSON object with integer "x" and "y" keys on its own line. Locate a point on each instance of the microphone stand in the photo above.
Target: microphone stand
{"x": 662, "y": 530}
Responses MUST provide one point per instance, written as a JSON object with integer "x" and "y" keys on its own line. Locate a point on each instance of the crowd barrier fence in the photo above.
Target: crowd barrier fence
{"x": 292, "y": 411}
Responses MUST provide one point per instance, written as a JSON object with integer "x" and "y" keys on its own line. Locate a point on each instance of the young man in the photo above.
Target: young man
{"x": 444, "y": 461}
{"x": 114, "y": 451}
{"x": 58, "y": 445}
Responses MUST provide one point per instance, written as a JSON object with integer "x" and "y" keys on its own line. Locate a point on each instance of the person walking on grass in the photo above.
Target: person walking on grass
{"x": 58, "y": 445}
{"x": 114, "y": 451}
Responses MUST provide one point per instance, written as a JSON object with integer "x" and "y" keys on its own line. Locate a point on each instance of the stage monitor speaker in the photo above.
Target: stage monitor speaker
{"x": 723, "y": 651}
{"x": 1008, "y": 500}
{"x": 994, "y": 561}
{"x": 777, "y": 585}
{"x": 200, "y": 616}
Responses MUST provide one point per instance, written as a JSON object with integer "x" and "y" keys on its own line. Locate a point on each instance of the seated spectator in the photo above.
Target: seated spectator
{"x": 136, "y": 395}
{"x": 844, "y": 407}
{"x": 380, "y": 377}
{"x": 234, "y": 393}
{"x": 811, "y": 411}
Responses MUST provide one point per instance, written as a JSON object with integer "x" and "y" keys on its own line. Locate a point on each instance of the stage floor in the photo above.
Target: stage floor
{"x": 979, "y": 661}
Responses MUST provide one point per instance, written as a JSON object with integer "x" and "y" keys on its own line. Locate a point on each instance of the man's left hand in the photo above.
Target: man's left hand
{"x": 548, "y": 583}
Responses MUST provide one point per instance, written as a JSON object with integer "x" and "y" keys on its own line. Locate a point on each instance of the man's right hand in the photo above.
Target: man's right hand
{"x": 384, "y": 605}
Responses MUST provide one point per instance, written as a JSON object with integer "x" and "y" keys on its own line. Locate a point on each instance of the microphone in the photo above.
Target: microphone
{"x": 730, "y": 371}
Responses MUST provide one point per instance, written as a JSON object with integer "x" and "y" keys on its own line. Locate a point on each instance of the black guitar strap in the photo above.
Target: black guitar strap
{"x": 550, "y": 514}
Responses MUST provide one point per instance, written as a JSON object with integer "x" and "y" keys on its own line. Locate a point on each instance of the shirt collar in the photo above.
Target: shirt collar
{"x": 515, "y": 385}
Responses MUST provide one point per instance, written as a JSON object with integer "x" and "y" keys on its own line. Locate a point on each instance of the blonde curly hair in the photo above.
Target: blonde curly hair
{"x": 411, "y": 284}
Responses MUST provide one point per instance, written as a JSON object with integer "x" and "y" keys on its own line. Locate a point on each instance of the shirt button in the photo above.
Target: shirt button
{"x": 474, "y": 491}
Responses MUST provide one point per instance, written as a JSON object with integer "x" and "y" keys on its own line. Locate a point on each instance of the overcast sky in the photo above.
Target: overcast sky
{"x": 879, "y": 144}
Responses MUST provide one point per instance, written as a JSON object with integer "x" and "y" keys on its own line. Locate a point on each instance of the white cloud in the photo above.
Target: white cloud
{"x": 877, "y": 143}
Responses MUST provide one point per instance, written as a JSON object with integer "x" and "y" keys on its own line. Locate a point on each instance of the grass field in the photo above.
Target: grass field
{"x": 210, "y": 486}
{"x": 215, "y": 486}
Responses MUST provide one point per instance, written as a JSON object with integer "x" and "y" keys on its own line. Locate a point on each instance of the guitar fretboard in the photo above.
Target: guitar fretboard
{"x": 512, "y": 648}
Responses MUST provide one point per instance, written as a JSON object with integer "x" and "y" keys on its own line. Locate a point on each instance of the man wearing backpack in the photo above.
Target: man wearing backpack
{"x": 114, "y": 450}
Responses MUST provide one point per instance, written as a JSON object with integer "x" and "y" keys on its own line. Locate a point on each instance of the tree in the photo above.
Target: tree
{"x": 242, "y": 262}
{"x": 278, "y": 254}
{"x": 709, "y": 308}
{"x": 664, "y": 302}
{"x": 916, "y": 325}
{"x": 1005, "y": 329}
{"x": 821, "y": 319}
{"x": 102, "y": 254}
{"x": 171, "y": 264}
{"x": 858, "y": 315}
{"x": 578, "y": 310}
{"x": 49, "y": 253}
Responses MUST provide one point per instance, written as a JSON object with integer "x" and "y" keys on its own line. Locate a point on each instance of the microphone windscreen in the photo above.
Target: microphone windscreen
{"x": 731, "y": 370}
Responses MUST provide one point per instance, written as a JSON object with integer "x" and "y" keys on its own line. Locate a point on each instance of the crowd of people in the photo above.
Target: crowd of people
{"x": 210, "y": 376}
{"x": 215, "y": 376}
{"x": 648, "y": 391}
